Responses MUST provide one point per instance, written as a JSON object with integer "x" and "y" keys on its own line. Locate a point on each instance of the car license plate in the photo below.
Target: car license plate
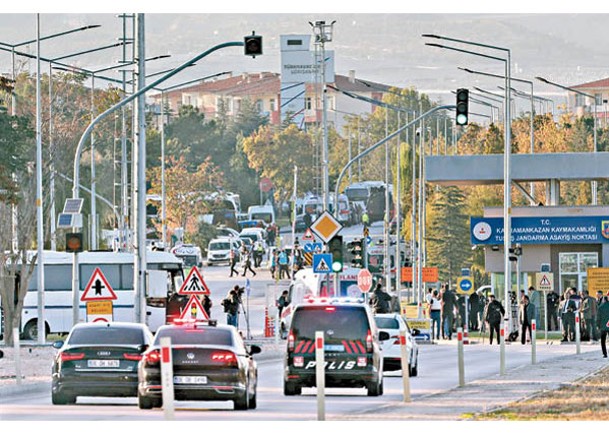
{"x": 103, "y": 363}
{"x": 190, "y": 380}
{"x": 334, "y": 347}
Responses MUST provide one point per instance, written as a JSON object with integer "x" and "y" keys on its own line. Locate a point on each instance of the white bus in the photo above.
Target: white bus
{"x": 117, "y": 268}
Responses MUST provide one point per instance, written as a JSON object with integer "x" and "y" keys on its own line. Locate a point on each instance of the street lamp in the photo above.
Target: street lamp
{"x": 507, "y": 182}
{"x": 594, "y": 183}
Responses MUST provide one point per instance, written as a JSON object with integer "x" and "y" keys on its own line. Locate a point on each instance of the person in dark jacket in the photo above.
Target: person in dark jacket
{"x": 602, "y": 322}
{"x": 552, "y": 299}
{"x": 526, "y": 314}
{"x": 493, "y": 314}
{"x": 474, "y": 307}
{"x": 231, "y": 307}
{"x": 380, "y": 300}
{"x": 449, "y": 302}
{"x": 207, "y": 304}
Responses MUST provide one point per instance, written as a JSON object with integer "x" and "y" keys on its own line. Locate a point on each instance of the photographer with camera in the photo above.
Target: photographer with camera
{"x": 231, "y": 306}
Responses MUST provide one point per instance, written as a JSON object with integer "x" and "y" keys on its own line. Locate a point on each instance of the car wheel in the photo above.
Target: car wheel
{"x": 291, "y": 389}
{"x": 254, "y": 401}
{"x": 62, "y": 399}
{"x": 242, "y": 403}
{"x": 414, "y": 370}
{"x": 144, "y": 402}
{"x": 374, "y": 389}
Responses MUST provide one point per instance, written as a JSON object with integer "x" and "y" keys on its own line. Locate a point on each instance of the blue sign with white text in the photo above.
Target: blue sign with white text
{"x": 541, "y": 230}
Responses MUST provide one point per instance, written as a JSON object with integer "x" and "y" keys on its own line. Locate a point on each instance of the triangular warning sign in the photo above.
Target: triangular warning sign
{"x": 194, "y": 310}
{"x": 544, "y": 281}
{"x": 322, "y": 266}
{"x": 98, "y": 288}
{"x": 194, "y": 284}
{"x": 308, "y": 235}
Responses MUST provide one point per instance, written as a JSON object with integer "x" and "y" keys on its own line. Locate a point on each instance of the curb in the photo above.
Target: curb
{"x": 34, "y": 387}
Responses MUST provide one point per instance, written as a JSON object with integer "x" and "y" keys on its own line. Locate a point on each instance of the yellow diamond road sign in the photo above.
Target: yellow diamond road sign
{"x": 326, "y": 226}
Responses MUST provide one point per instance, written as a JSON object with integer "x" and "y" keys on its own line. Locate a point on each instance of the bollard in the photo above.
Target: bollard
{"x": 405, "y": 366}
{"x": 534, "y": 342}
{"x": 577, "y": 334}
{"x": 167, "y": 378}
{"x": 502, "y": 350}
{"x": 460, "y": 357}
{"x": 320, "y": 375}
{"x": 17, "y": 348}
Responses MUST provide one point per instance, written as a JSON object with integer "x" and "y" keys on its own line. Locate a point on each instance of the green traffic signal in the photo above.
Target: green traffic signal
{"x": 335, "y": 247}
{"x": 462, "y": 106}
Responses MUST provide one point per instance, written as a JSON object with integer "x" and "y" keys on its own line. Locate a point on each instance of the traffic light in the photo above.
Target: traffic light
{"x": 253, "y": 45}
{"x": 356, "y": 249}
{"x": 335, "y": 246}
{"x": 74, "y": 242}
{"x": 462, "y": 106}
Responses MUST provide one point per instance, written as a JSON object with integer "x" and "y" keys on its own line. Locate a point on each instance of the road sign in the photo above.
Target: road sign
{"x": 98, "y": 288}
{"x": 99, "y": 311}
{"x": 428, "y": 274}
{"x": 266, "y": 184}
{"x": 544, "y": 281}
{"x": 465, "y": 285}
{"x": 326, "y": 226}
{"x": 194, "y": 310}
{"x": 368, "y": 240}
{"x": 312, "y": 247}
{"x": 364, "y": 280}
{"x": 308, "y": 236}
{"x": 322, "y": 263}
{"x": 194, "y": 284}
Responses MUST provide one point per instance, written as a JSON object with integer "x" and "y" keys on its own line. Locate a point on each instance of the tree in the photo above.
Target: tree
{"x": 18, "y": 194}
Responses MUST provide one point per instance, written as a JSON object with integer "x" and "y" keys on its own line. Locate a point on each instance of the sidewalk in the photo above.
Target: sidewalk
{"x": 489, "y": 394}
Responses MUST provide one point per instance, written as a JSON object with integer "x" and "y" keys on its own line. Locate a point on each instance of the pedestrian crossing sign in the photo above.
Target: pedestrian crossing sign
{"x": 321, "y": 263}
{"x": 544, "y": 281}
{"x": 194, "y": 310}
{"x": 194, "y": 284}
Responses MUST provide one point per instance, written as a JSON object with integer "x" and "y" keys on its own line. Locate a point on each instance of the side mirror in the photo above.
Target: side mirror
{"x": 143, "y": 348}
{"x": 58, "y": 344}
{"x": 384, "y": 335}
{"x": 254, "y": 349}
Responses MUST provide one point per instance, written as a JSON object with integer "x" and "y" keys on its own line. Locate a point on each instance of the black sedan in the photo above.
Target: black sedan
{"x": 210, "y": 362}
{"x": 98, "y": 359}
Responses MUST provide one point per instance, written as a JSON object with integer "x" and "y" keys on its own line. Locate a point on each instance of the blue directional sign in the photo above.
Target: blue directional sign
{"x": 368, "y": 240}
{"x": 322, "y": 263}
{"x": 313, "y": 247}
{"x": 465, "y": 285}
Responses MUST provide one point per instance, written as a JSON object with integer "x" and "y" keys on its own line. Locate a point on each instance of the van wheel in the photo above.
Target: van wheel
{"x": 375, "y": 389}
{"x": 62, "y": 399}
{"x": 30, "y": 332}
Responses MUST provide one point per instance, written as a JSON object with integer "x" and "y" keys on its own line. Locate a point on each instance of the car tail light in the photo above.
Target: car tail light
{"x": 291, "y": 341}
{"x": 226, "y": 357}
{"x": 152, "y": 357}
{"x": 66, "y": 356}
{"x": 369, "y": 342}
{"x": 396, "y": 338}
{"x": 132, "y": 356}
{"x": 331, "y": 309}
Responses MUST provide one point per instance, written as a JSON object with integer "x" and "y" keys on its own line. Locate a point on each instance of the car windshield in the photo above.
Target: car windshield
{"x": 357, "y": 194}
{"x": 106, "y": 336}
{"x": 387, "y": 322}
{"x": 252, "y": 237}
{"x": 189, "y": 260}
{"x": 219, "y": 246}
{"x": 267, "y": 217}
{"x": 195, "y": 336}
{"x": 337, "y": 322}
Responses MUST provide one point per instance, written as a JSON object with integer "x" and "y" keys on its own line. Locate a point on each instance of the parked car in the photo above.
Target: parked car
{"x": 352, "y": 347}
{"x": 393, "y": 323}
{"x": 224, "y": 231}
{"x": 210, "y": 362}
{"x": 98, "y": 359}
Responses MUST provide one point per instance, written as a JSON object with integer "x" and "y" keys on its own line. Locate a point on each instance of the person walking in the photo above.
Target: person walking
{"x": 570, "y": 308}
{"x": 207, "y": 304}
{"x": 449, "y": 302}
{"x": 273, "y": 263}
{"x": 435, "y": 313}
{"x": 493, "y": 314}
{"x": 282, "y": 301}
{"x": 233, "y": 257}
{"x": 380, "y": 300}
{"x": 474, "y": 307}
{"x": 588, "y": 312}
{"x": 552, "y": 301}
{"x": 526, "y": 314}
{"x": 247, "y": 264}
{"x": 284, "y": 262}
{"x": 602, "y": 322}
{"x": 231, "y": 307}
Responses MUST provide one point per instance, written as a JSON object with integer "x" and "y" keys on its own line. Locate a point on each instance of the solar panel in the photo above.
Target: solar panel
{"x": 65, "y": 220}
{"x": 72, "y": 205}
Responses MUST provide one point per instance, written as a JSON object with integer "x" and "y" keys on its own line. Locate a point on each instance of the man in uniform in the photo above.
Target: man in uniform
{"x": 552, "y": 301}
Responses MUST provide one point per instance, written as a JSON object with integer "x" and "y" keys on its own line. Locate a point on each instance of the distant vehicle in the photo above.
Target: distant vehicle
{"x": 98, "y": 359}
{"x": 165, "y": 276}
{"x": 393, "y": 323}
{"x": 227, "y": 232}
{"x": 258, "y": 223}
{"x": 210, "y": 362}
{"x": 255, "y": 234}
{"x": 372, "y": 194}
{"x": 218, "y": 250}
{"x": 263, "y": 212}
{"x": 190, "y": 254}
{"x": 351, "y": 347}
{"x": 344, "y": 211}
